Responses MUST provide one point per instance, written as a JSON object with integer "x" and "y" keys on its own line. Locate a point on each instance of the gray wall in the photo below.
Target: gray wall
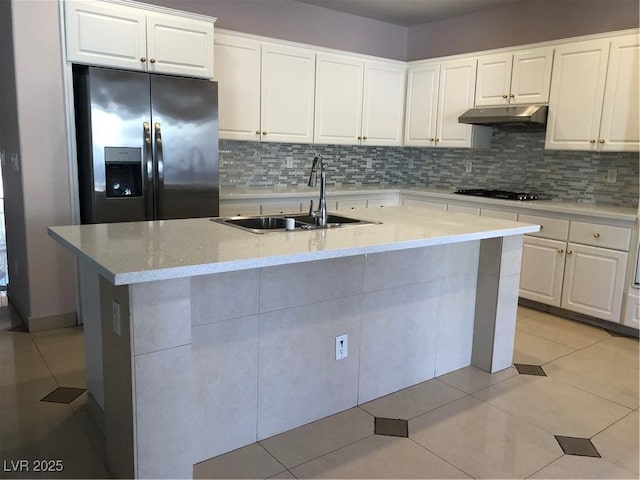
{"x": 300, "y": 22}
{"x": 37, "y": 191}
{"x": 518, "y": 24}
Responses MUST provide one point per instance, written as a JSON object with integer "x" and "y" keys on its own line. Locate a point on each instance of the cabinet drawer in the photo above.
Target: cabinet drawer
{"x": 239, "y": 209}
{"x": 485, "y": 212}
{"x": 280, "y": 208}
{"x": 597, "y": 235}
{"x": 463, "y": 209}
{"x": 382, "y": 202}
{"x": 553, "y": 228}
{"x": 351, "y": 204}
{"x": 412, "y": 202}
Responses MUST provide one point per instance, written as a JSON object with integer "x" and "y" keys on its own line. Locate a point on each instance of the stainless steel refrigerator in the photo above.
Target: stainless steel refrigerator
{"x": 147, "y": 145}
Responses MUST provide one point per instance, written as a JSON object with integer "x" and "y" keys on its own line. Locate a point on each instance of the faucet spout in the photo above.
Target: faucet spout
{"x": 320, "y": 216}
{"x": 313, "y": 178}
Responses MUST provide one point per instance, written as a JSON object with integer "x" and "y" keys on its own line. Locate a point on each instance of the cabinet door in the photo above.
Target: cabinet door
{"x": 456, "y": 96}
{"x": 619, "y": 129}
{"x": 99, "y": 33}
{"x": 494, "y": 79}
{"x": 422, "y": 105}
{"x": 237, "y": 71}
{"x": 542, "y": 270}
{"x": 288, "y": 90}
{"x": 338, "y": 112}
{"x": 179, "y": 46}
{"x": 531, "y": 76}
{"x": 383, "y": 104}
{"x": 575, "y": 100}
{"x": 594, "y": 281}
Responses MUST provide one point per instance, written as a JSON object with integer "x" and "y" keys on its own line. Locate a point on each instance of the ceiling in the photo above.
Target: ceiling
{"x": 410, "y": 12}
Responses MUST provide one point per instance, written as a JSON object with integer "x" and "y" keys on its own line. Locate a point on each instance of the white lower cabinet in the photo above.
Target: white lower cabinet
{"x": 582, "y": 277}
{"x": 542, "y": 270}
{"x": 594, "y": 281}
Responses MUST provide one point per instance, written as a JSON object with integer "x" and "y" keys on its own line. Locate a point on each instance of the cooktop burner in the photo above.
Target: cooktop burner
{"x": 504, "y": 194}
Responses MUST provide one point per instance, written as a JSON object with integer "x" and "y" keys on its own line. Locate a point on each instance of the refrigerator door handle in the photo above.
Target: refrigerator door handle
{"x": 148, "y": 158}
{"x": 160, "y": 165}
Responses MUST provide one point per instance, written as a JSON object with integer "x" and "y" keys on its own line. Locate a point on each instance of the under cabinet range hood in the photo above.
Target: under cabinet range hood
{"x": 516, "y": 115}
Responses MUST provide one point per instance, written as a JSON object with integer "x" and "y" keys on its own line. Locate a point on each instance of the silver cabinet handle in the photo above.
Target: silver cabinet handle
{"x": 596, "y": 235}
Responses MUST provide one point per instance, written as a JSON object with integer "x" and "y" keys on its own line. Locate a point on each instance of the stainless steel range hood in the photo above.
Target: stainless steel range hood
{"x": 508, "y": 115}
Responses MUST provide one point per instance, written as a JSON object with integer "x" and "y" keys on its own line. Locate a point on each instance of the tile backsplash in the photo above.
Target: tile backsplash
{"x": 516, "y": 160}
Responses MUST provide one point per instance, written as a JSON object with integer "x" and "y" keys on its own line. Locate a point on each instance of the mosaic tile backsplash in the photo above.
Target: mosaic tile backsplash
{"x": 516, "y": 160}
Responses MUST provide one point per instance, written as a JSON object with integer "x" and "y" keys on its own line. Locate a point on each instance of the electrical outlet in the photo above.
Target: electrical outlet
{"x": 369, "y": 163}
{"x": 468, "y": 167}
{"x": 342, "y": 347}
{"x": 612, "y": 175}
{"x": 289, "y": 162}
{"x": 115, "y": 307}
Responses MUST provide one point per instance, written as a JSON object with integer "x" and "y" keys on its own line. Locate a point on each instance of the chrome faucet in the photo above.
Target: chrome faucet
{"x": 320, "y": 215}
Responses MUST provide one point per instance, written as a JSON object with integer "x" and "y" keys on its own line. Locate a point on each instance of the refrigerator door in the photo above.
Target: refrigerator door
{"x": 184, "y": 133}
{"x": 112, "y": 121}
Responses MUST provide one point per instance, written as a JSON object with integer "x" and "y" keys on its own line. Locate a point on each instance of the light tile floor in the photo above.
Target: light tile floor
{"x": 466, "y": 424}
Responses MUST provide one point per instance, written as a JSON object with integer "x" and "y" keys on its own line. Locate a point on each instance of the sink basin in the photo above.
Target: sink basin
{"x": 331, "y": 219}
{"x": 264, "y": 224}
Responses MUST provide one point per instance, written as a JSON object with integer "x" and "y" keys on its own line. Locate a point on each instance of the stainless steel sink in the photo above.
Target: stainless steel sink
{"x": 271, "y": 223}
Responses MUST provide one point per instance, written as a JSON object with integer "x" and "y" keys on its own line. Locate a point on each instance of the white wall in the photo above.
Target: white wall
{"x": 37, "y": 192}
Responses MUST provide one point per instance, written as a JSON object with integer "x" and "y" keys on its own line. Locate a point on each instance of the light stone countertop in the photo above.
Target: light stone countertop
{"x": 603, "y": 211}
{"x": 135, "y": 252}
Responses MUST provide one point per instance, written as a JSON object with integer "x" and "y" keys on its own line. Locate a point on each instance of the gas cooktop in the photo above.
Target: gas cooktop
{"x": 504, "y": 194}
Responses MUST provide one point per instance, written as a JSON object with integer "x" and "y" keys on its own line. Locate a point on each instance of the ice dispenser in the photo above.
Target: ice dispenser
{"x": 123, "y": 172}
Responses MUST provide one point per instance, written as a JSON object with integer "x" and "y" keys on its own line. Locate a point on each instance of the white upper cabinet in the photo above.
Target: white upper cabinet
{"x": 437, "y": 94}
{"x": 580, "y": 117}
{"x": 358, "y": 102}
{"x": 339, "y": 87}
{"x": 266, "y": 91}
{"x": 237, "y": 71}
{"x": 383, "y": 104}
{"x": 287, "y": 94}
{"x": 619, "y": 128}
{"x": 99, "y": 33}
{"x": 106, "y": 34}
{"x": 514, "y": 78}
{"x": 179, "y": 45}
{"x": 422, "y": 105}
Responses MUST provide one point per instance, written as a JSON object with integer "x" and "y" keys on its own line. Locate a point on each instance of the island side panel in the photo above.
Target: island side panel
{"x": 163, "y": 388}
{"x": 303, "y": 307}
{"x": 224, "y": 318}
{"x": 89, "y": 308}
{"x": 118, "y": 382}
{"x": 496, "y": 303}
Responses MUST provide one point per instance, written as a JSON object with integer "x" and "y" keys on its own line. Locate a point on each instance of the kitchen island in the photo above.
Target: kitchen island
{"x": 212, "y": 337}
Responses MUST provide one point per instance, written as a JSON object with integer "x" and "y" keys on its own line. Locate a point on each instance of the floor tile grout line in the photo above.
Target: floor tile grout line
{"x": 530, "y": 422}
{"x": 329, "y": 452}
{"x": 545, "y": 466}
{"x": 272, "y": 456}
{"x": 441, "y": 458}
